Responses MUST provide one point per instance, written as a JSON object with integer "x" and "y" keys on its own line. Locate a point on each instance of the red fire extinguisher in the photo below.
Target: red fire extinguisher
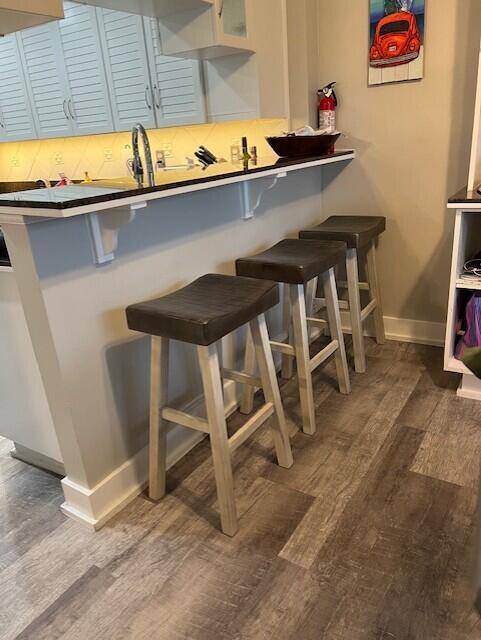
{"x": 327, "y": 107}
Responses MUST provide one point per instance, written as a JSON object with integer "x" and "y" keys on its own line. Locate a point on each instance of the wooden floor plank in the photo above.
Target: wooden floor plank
{"x": 324, "y": 514}
{"x": 451, "y": 449}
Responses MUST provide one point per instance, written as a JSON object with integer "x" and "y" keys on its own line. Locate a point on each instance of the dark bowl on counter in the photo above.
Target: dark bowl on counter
{"x": 303, "y": 146}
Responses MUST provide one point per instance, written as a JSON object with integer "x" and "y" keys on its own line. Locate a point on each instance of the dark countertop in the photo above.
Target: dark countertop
{"x": 107, "y": 190}
{"x": 463, "y": 196}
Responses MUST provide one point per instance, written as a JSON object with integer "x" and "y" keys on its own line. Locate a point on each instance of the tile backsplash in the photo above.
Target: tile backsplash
{"x": 105, "y": 156}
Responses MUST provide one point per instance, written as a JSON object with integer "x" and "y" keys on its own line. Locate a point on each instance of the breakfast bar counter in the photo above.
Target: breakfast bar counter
{"x": 80, "y": 255}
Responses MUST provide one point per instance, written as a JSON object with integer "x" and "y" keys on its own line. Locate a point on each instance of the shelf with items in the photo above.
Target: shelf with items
{"x": 472, "y": 285}
{"x": 467, "y": 242}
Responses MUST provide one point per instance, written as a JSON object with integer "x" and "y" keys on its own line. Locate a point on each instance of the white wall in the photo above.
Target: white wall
{"x": 413, "y": 142}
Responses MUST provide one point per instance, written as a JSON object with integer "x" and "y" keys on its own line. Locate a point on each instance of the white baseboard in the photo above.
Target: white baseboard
{"x": 470, "y": 387}
{"x": 416, "y": 331}
{"x": 29, "y": 456}
{"x": 404, "y": 330}
{"x": 94, "y": 507}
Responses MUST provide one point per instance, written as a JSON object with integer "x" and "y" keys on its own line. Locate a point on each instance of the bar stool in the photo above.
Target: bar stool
{"x": 202, "y": 313}
{"x": 358, "y": 232}
{"x": 295, "y": 263}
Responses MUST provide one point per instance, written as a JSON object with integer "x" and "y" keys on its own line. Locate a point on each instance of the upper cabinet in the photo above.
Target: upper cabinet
{"x": 46, "y": 81}
{"x": 146, "y": 86}
{"x": 88, "y": 96}
{"x": 65, "y": 75}
{"x": 16, "y": 15}
{"x": 177, "y": 84}
{"x": 16, "y": 118}
{"x": 127, "y": 69}
{"x": 220, "y": 31}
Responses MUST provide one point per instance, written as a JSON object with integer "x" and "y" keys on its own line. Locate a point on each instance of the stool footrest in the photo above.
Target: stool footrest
{"x": 257, "y": 420}
{"x": 343, "y": 304}
{"x": 185, "y": 419}
{"x": 284, "y": 348}
{"x": 323, "y": 355}
{"x": 363, "y": 286}
{"x": 368, "y": 309}
{"x": 241, "y": 378}
{"x": 319, "y": 322}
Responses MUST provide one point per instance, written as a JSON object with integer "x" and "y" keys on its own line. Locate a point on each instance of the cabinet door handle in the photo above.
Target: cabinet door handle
{"x": 221, "y": 9}
{"x": 147, "y": 91}
{"x": 65, "y": 109}
{"x": 157, "y": 96}
{"x": 71, "y": 109}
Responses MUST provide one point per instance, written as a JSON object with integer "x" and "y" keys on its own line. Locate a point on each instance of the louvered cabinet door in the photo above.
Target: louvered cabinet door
{"x": 88, "y": 102}
{"x": 176, "y": 82}
{"x": 46, "y": 80}
{"x": 125, "y": 56}
{"x": 16, "y": 119}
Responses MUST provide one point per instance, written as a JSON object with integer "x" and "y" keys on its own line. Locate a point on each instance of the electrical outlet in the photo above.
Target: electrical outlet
{"x": 160, "y": 160}
{"x": 108, "y": 154}
{"x": 15, "y": 161}
{"x": 167, "y": 149}
{"x": 58, "y": 159}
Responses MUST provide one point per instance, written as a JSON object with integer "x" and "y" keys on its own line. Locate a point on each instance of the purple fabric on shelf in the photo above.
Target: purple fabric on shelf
{"x": 472, "y": 337}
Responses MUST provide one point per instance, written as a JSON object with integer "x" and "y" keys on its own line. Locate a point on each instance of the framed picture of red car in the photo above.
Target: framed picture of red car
{"x": 396, "y": 51}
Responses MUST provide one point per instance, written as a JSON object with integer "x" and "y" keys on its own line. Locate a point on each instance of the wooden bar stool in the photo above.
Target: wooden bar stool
{"x": 296, "y": 263}
{"x": 202, "y": 313}
{"x": 358, "y": 232}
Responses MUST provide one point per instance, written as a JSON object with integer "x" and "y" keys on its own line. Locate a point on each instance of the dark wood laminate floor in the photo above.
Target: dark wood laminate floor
{"x": 367, "y": 537}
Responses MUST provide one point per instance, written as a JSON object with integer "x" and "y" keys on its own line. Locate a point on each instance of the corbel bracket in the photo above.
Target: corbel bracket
{"x": 252, "y": 192}
{"x": 104, "y": 230}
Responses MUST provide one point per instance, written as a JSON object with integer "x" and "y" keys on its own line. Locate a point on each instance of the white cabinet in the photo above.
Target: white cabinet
{"x": 223, "y": 30}
{"x": 88, "y": 103}
{"x": 46, "y": 81}
{"x": 145, "y": 85}
{"x": 176, "y": 83}
{"x": 65, "y": 75}
{"x": 127, "y": 68}
{"x": 16, "y": 119}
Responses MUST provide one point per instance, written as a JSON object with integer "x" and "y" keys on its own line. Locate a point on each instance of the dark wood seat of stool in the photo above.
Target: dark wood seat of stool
{"x": 205, "y": 310}
{"x": 293, "y": 261}
{"x": 356, "y": 231}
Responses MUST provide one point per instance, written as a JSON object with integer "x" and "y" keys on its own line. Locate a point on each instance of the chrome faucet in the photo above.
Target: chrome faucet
{"x": 137, "y": 168}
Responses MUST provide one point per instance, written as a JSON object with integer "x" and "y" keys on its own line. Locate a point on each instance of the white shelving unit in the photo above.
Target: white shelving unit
{"x": 467, "y": 242}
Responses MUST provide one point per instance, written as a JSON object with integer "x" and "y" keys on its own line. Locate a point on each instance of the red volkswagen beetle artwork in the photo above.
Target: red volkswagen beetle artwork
{"x": 397, "y": 40}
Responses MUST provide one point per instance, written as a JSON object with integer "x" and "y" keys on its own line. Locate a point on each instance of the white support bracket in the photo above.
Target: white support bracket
{"x": 252, "y": 192}
{"x": 104, "y": 230}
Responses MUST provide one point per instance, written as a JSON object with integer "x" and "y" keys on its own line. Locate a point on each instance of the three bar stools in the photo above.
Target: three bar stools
{"x": 359, "y": 233}
{"x": 202, "y": 313}
{"x": 296, "y": 263}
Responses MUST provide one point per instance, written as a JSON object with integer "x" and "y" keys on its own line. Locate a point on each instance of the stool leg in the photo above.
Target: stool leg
{"x": 211, "y": 380}
{"x": 248, "y": 392}
{"x": 310, "y": 293}
{"x": 287, "y": 361}
{"x": 355, "y": 309}
{"x": 301, "y": 346}
{"x": 334, "y": 315}
{"x": 159, "y": 375}
{"x": 271, "y": 391}
{"x": 375, "y": 293}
